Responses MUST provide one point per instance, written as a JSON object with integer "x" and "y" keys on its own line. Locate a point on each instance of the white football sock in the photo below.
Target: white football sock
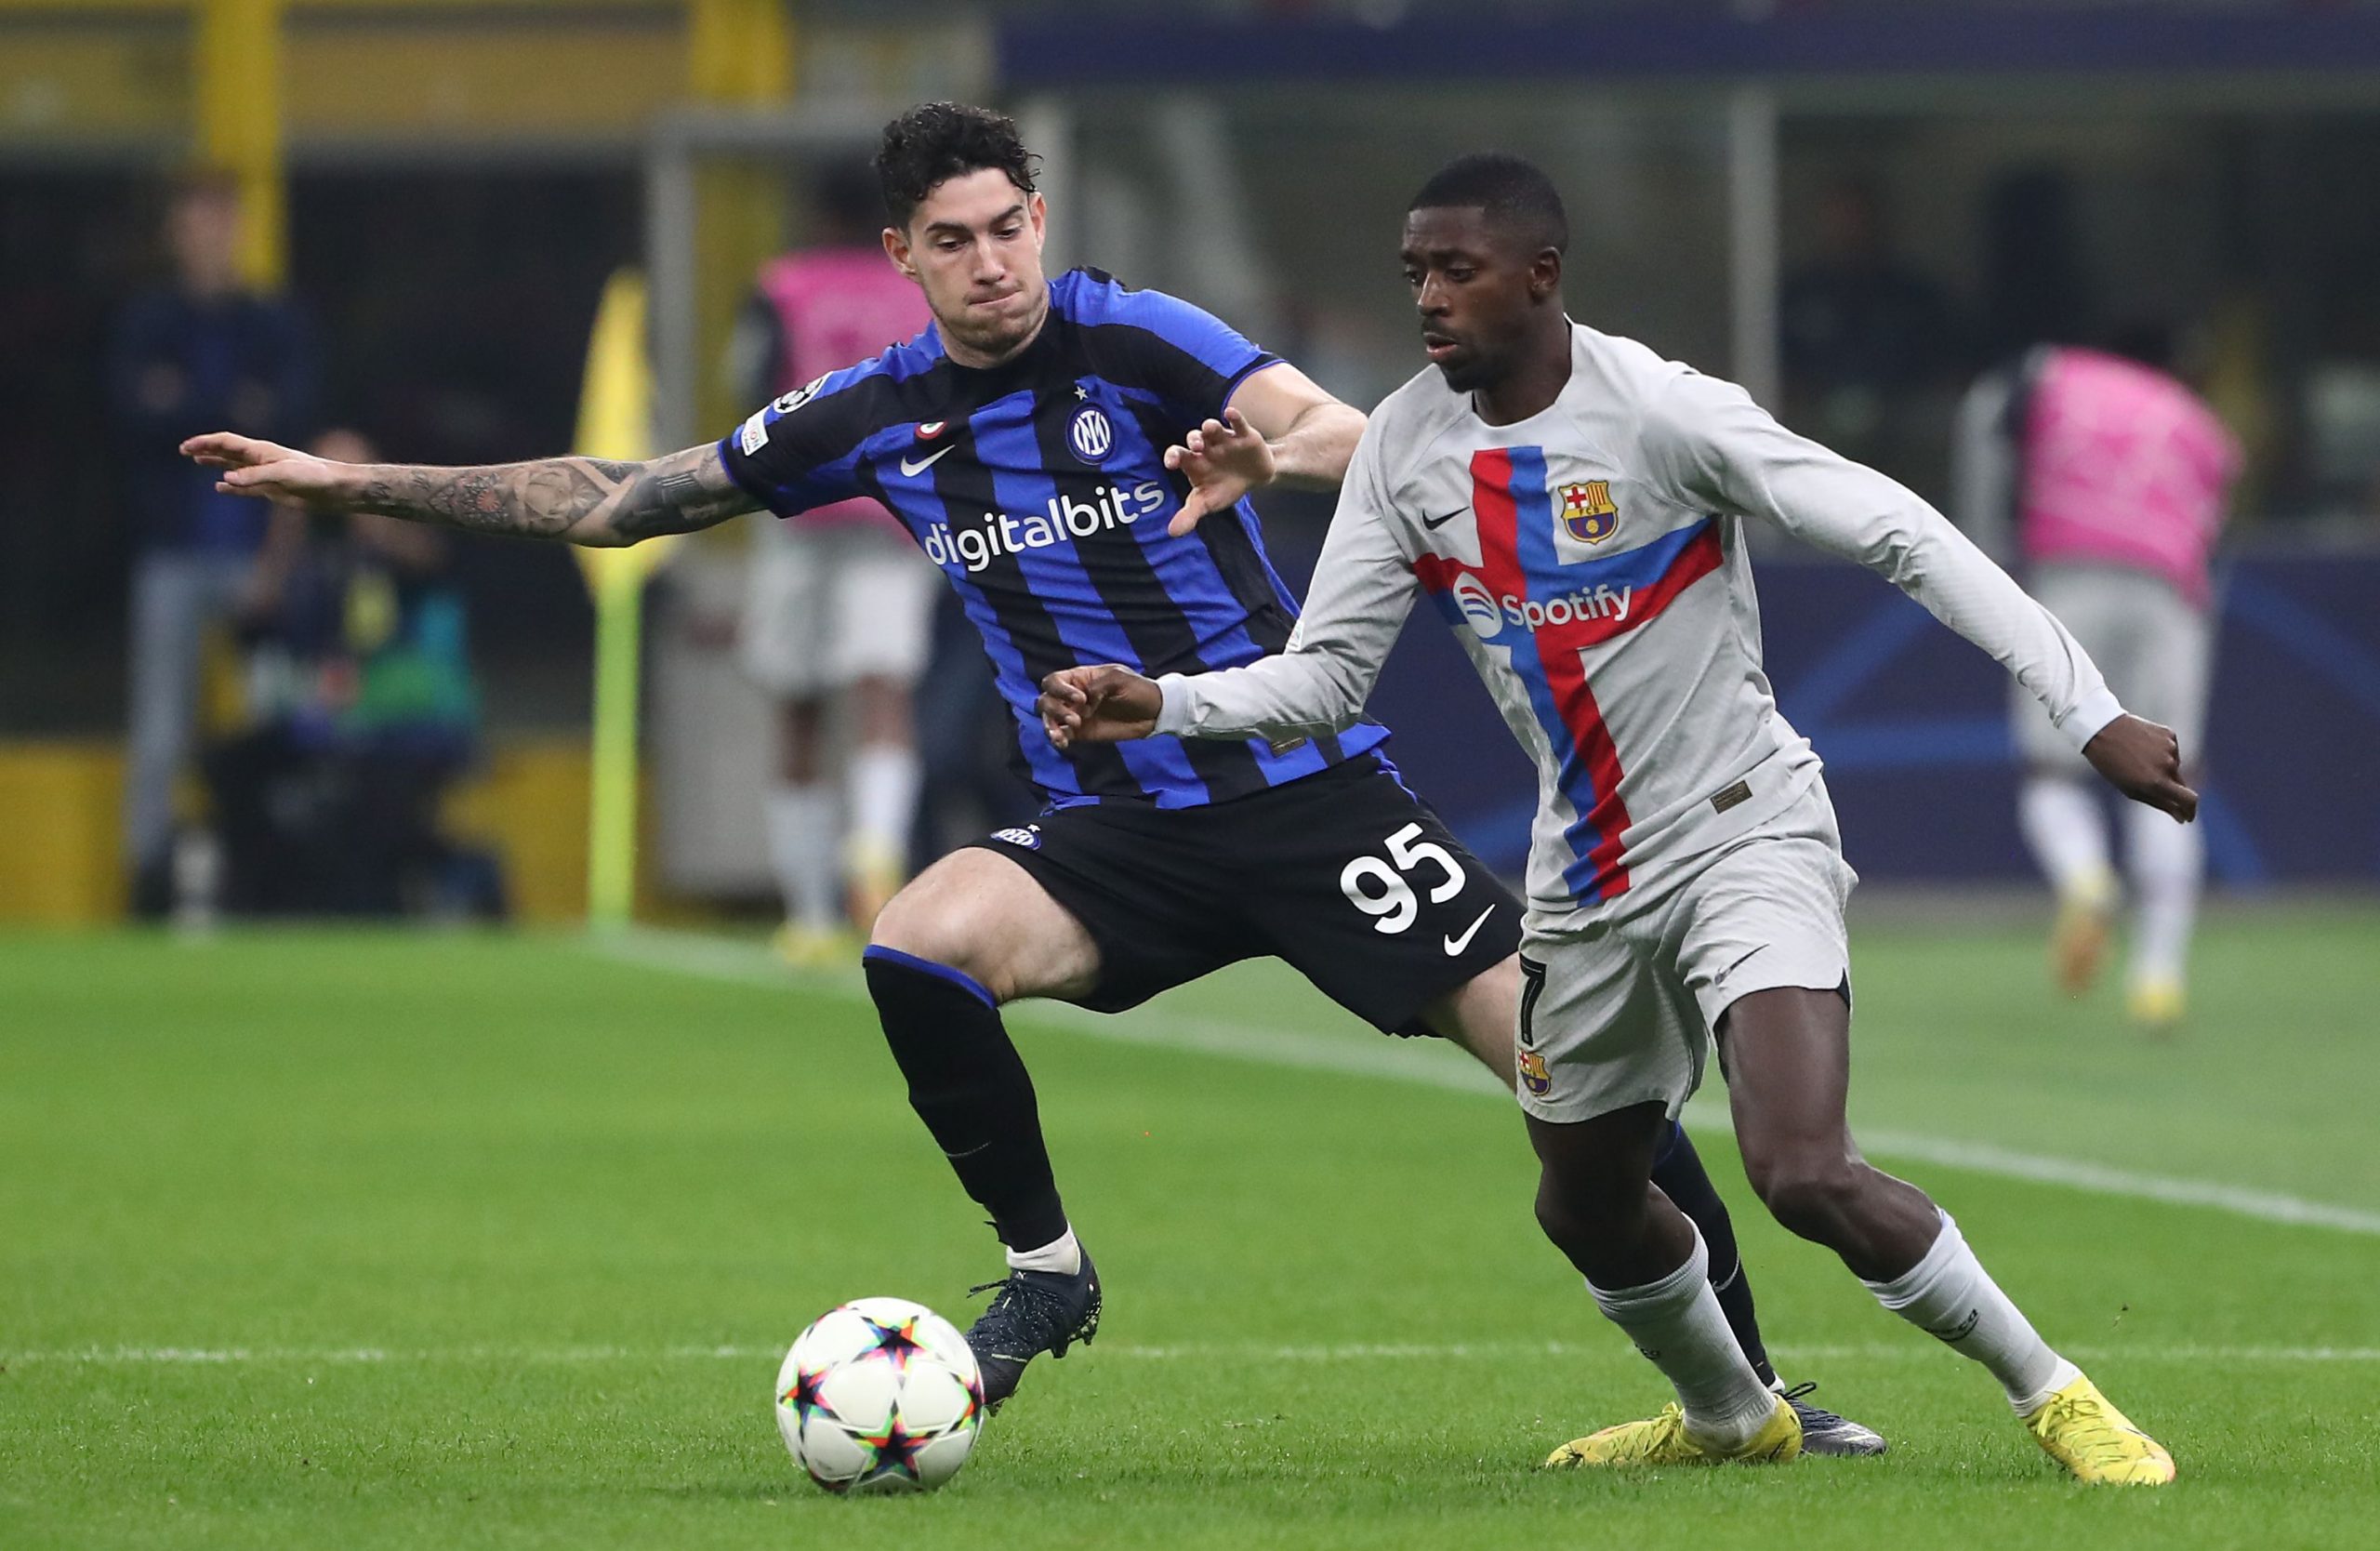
{"x": 2062, "y": 823}
{"x": 881, "y": 779}
{"x": 1062, "y": 1255}
{"x": 1950, "y": 1296}
{"x": 801, "y": 823}
{"x": 1676, "y": 1323}
{"x": 2166, "y": 861}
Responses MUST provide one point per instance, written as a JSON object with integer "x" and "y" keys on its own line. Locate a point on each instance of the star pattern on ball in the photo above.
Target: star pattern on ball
{"x": 891, "y": 1449}
{"x": 896, "y": 1343}
{"x": 805, "y": 1395}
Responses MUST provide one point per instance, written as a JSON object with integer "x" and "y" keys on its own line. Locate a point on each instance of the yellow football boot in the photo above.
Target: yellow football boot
{"x": 810, "y": 947}
{"x": 2078, "y": 944}
{"x": 2156, "y": 1005}
{"x": 1664, "y": 1440}
{"x": 874, "y": 875}
{"x": 2079, "y": 1430}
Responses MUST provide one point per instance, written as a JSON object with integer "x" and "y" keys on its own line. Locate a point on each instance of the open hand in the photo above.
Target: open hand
{"x": 269, "y": 471}
{"x": 2144, "y": 762}
{"x": 1108, "y": 703}
{"x": 1224, "y": 460}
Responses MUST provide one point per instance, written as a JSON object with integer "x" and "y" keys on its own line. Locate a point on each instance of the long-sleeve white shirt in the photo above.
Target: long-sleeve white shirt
{"x": 1591, "y": 559}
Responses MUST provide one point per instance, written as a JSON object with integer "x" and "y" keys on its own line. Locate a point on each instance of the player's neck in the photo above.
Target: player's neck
{"x": 1536, "y": 380}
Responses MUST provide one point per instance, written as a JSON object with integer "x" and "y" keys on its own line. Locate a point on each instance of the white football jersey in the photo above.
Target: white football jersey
{"x": 1591, "y": 559}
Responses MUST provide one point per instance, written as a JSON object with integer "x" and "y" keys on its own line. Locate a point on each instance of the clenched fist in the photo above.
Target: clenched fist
{"x": 2144, "y": 762}
{"x": 1108, "y": 703}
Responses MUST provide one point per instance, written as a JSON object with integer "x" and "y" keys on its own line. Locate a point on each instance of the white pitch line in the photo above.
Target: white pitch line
{"x": 1432, "y": 1064}
{"x": 337, "y": 1356}
{"x": 1788, "y": 1353}
{"x": 1984, "y": 1158}
{"x": 1428, "y": 1062}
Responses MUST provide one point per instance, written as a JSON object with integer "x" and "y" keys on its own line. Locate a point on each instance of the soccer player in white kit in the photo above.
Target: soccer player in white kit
{"x": 1574, "y": 505}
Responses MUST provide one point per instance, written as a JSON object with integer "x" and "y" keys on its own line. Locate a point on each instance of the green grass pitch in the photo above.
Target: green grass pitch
{"x": 336, "y": 1239}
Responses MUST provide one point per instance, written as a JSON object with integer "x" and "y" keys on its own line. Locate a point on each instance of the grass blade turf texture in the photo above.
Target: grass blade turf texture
{"x": 319, "y": 1239}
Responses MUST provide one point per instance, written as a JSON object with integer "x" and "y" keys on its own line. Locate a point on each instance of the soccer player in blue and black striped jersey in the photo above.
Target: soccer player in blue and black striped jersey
{"x": 1076, "y": 457}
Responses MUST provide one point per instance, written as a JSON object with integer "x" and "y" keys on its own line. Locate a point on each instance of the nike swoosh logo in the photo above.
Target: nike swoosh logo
{"x": 1434, "y": 523}
{"x": 920, "y": 465}
{"x": 1456, "y": 945}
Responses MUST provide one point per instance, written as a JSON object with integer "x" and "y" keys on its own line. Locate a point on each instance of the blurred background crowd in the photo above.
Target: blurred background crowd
{"x": 386, "y": 224}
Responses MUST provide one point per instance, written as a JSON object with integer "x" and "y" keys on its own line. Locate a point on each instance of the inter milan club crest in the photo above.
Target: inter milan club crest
{"x": 1587, "y": 511}
{"x": 1089, "y": 434}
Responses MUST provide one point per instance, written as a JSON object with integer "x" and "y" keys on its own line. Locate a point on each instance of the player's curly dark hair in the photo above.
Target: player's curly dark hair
{"x": 936, "y": 142}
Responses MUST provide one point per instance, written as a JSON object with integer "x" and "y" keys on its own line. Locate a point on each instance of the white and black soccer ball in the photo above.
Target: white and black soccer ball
{"x": 881, "y": 1394}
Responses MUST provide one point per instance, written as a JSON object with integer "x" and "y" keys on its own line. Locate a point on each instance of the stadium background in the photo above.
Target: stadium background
{"x": 455, "y": 182}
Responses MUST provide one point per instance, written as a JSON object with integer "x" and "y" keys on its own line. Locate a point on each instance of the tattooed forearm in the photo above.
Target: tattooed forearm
{"x": 585, "y": 500}
{"x": 675, "y": 495}
{"x": 538, "y": 500}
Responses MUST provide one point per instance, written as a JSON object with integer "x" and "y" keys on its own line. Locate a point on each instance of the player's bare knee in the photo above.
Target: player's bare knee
{"x": 1577, "y": 1218}
{"x": 1565, "y": 1228}
{"x": 925, "y": 923}
{"x": 980, "y": 914}
{"x": 1806, "y": 1188}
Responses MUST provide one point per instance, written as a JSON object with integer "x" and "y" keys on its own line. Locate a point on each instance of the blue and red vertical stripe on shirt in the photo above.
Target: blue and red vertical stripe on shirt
{"x": 1516, "y": 515}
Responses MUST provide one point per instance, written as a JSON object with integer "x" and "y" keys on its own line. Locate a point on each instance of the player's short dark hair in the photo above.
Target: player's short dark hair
{"x": 1514, "y": 193}
{"x": 936, "y": 141}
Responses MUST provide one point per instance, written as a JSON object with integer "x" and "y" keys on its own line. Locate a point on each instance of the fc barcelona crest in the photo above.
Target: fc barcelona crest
{"x": 1587, "y": 511}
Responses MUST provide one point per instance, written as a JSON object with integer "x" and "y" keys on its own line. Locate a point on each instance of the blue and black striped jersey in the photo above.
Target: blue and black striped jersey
{"x": 1039, "y": 486}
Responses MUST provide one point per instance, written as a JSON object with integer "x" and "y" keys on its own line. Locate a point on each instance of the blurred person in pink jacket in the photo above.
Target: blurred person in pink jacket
{"x": 839, "y": 607}
{"x": 2111, "y": 475}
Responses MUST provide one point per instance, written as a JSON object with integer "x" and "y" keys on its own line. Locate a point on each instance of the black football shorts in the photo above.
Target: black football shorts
{"x": 1346, "y": 874}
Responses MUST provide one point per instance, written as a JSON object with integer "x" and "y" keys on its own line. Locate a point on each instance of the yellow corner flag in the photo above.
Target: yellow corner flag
{"x": 615, "y": 421}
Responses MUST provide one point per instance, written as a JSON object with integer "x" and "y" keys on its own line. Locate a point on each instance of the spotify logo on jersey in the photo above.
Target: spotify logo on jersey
{"x": 1479, "y": 605}
{"x": 1487, "y": 614}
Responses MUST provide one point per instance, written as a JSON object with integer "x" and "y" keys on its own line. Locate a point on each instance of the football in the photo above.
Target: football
{"x": 880, "y": 1395}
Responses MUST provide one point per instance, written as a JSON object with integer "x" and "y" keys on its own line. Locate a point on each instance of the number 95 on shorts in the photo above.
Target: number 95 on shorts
{"x": 1344, "y": 874}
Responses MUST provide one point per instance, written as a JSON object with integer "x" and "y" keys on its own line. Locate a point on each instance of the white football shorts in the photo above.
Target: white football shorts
{"x": 830, "y": 604}
{"x": 1617, "y": 1003}
{"x": 2156, "y": 650}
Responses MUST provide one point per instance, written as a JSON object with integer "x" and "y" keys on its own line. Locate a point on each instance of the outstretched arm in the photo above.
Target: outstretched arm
{"x": 1725, "y": 453}
{"x": 591, "y": 501}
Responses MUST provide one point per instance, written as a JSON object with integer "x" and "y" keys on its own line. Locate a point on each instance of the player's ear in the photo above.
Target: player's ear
{"x": 1545, "y": 275}
{"x": 897, "y": 247}
{"x": 1036, "y": 211}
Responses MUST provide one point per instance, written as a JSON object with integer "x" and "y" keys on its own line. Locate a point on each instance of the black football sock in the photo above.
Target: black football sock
{"x": 1679, "y": 1171}
{"x": 970, "y": 1086}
